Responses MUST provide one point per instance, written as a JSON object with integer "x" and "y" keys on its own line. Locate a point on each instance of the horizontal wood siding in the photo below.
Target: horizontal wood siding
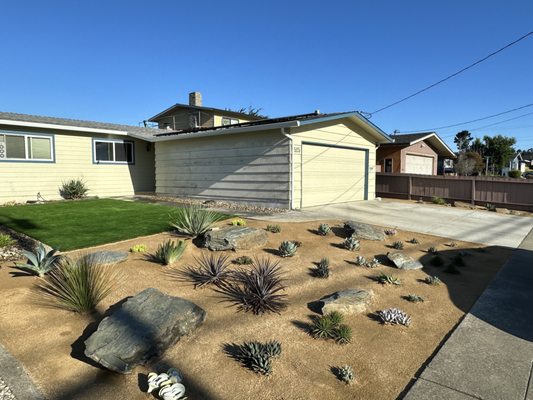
{"x": 21, "y": 181}
{"x": 251, "y": 168}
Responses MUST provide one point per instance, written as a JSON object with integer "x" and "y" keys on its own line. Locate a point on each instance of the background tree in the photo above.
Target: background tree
{"x": 478, "y": 146}
{"x": 252, "y": 111}
{"x": 500, "y": 149}
{"x": 469, "y": 163}
{"x": 462, "y": 140}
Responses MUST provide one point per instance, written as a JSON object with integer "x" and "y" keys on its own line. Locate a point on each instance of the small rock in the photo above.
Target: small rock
{"x": 349, "y": 301}
{"x": 143, "y": 327}
{"x": 364, "y": 231}
{"x": 107, "y": 257}
{"x": 235, "y": 238}
{"x": 403, "y": 261}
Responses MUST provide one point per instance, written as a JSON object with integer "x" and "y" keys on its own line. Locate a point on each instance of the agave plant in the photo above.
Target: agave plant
{"x": 323, "y": 229}
{"x": 345, "y": 374}
{"x": 360, "y": 260}
{"x": 394, "y": 316}
{"x": 287, "y": 248}
{"x": 194, "y": 220}
{"x": 414, "y": 241}
{"x": 78, "y": 284}
{"x": 273, "y": 228}
{"x": 374, "y": 263}
{"x": 322, "y": 269}
{"x": 39, "y": 263}
{"x": 209, "y": 270}
{"x": 397, "y": 244}
{"x": 256, "y": 289}
{"x": 257, "y": 356}
{"x": 388, "y": 279}
{"x": 351, "y": 243}
{"x": 168, "y": 252}
{"x": 432, "y": 280}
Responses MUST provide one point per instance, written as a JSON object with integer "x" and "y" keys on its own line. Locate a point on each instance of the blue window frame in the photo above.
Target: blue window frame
{"x": 26, "y": 147}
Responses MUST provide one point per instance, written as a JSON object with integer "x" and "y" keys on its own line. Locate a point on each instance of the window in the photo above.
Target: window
{"x": 26, "y": 147}
{"x": 113, "y": 151}
{"x": 388, "y": 165}
{"x": 229, "y": 121}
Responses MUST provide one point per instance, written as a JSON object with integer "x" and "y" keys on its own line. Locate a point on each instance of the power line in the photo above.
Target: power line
{"x": 455, "y": 73}
{"x": 468, "y": 122}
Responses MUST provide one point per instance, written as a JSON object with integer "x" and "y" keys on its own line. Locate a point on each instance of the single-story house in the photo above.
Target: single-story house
{"x": 518, "y": 163}
{"x": 290, "y": 162}
{"x": 419, "y": 153}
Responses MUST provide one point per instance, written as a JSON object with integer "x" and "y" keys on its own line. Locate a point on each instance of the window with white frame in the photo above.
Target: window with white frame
{"x": 26, "y": 147}
{"x": 229, "y": 121}
{"x": 113, "y": 151}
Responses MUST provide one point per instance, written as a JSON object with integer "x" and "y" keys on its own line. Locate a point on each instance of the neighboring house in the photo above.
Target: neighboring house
{"x": 419, "y": 153}
{"x": 518, "y": 163}
{"x": 290, "y": 162}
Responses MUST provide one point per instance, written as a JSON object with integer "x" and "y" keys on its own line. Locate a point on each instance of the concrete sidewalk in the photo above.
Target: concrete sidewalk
{"x": 490, "y": 354}
{"x": 467, "y": 225}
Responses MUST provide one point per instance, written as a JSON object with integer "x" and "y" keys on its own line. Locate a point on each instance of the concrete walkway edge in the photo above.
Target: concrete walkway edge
{"x": 16, "y": 378}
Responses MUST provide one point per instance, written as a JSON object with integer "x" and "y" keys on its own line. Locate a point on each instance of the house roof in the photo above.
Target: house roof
{"x": 275, "y": 123}
{"x": 38, "y": 121}
{"x": 179, "y": 106}
{"x": 432, "y": 138}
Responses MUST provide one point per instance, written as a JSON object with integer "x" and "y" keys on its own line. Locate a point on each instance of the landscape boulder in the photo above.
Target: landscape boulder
{"x": 235, "y": 238}
{"x": 348, "y": 301}
{"x": 143, "y": 327}
{"x": 364, "y": 231}
{"x": 403, "y": 261}
{"x": 107, "y": 257}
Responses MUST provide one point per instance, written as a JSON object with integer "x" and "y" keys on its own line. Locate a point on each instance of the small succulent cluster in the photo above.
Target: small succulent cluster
{"x": 330, "y": 326}
{"x": 168, "y": 385}
{"x": 414, "y": 298}
{"x": 394, "y": 316}
{"x": 390, "y": 231}
{"x": 273, "y": 228}
{"x": 257, "y": 356}
{"x": 138, "y": 248}
{"x": 432, "y": 280}
{"x": 287, "y": 248}
{"x": 388, "y": 279}
{"x": 322, "y": 269}
{"x": 243, "y": 260}
{"x": 360, "y": 260}
{"x": 433, "y": 250}
{"x": 374, "y": 263}
{"x": 39, "y": 263}
{"x": 437, "y": 261}
{"x": 323, "y": 229}
{"x": 351, "y": 243}
{"x": 397, "y": 244}
{"x": 345, "y": 374}
{"x": 238, "y": 222}
{"x": 414, "y": 241}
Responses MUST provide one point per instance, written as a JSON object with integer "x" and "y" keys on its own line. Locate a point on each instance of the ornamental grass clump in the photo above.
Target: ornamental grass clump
{"x": 330, "y": 326}
{"x": 78, "y": 284}
{"x": 194, "y": 220}
{"x": 39, "y": 263}
{"x": 209, "y": 270}
{"x": 323, "y": 229}
{"x": 273, "y": 228}
{"x": 168, "y": 252}
{"x": 6, "y": 240}
{"x": 322, "y": 269}
{"x": 73, "y": 189}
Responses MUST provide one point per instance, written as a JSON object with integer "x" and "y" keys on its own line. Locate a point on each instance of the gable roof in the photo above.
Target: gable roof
{"x": 39, "y": 121}
{"x": 431, "y": 137}
{"x": 179, "y": 106}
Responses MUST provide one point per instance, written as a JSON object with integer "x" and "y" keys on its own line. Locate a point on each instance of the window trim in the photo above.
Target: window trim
{"x": 230, "y": 121}
{"x": 104, "y": 140}
{"x": 27, "y": 135}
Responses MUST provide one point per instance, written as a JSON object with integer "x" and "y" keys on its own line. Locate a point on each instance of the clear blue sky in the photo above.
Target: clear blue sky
{"x": 124, "y": 61}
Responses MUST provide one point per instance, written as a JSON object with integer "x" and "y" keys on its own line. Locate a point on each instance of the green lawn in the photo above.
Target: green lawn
{"x": 68, "y": 225}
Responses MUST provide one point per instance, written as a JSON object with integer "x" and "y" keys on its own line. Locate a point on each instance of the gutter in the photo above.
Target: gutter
{"x": 291, "y": 166}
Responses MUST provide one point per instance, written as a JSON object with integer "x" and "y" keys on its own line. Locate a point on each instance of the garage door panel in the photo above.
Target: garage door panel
{"x": 332, "y": 175}
{"x": 417, "y": 164}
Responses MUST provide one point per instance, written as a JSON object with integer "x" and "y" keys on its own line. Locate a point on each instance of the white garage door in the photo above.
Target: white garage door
{"x": 332, "y": 175}
{"x": 418, "y": 165}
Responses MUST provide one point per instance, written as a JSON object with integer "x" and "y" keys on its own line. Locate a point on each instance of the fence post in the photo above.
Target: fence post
{"x": 410, "y": 187}
{"x": 473, "y": 196}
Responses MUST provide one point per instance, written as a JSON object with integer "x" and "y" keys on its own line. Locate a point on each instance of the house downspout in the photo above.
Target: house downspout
{"x": 291, "y": 167}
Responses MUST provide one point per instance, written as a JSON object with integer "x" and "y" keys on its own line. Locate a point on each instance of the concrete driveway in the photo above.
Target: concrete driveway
{"x": 475, "y": 226}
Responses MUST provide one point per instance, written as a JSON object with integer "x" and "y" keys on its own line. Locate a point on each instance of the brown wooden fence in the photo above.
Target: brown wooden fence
{"x": 501, "y": 192}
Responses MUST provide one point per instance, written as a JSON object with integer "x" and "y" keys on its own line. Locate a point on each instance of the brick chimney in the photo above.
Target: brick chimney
{"x": 195, "y": 99}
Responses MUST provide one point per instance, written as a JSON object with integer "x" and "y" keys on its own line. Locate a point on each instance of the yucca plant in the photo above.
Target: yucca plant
{"x": 287, "y": 248}
{"x": 39, "y": 263}
{"x": 6, "y": 240}
{"x": 330, "y": 326}
{"x": 397, "y": 244}
{"x": 432, "y": 280}
{"x": 351, "y": 243}
{"x": 388, "y": 279}
{"x": 238, "y": 222}
{"x": 168, "y": 252}
{"x": 414, "y": 298}
{"x": 273, "y": 228}
{"x": 342, "y": 334}
{"x": 323, "y": 229}
{"x": 257, "y": 289}
{"x": 243, "y": 260}
{"x": 345, "y": 374}
{"x": 138, "y": 248}
{"x": 194, "y": 220}
{"x": 322, "y": 269}
{"x": 78, "y": 284}
{"x": 73, "y": 189}
{"x": 209, "y": 270}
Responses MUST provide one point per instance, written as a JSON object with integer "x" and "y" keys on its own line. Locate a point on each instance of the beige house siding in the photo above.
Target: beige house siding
{"x": 248, "y": 167}
{"x": 341, "y": 134}
{"x": 21, "y": 181}
{"x": 218, "y": 119}
{"x": 420, "y": 148}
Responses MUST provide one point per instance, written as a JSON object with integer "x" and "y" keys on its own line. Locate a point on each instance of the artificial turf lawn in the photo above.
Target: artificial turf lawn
{"x": 68, "y": 225}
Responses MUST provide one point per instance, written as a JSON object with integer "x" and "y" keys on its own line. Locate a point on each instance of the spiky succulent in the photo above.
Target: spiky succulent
{"x": 323, "y": 229}
{"x": 322, "y": 269}
{"x": 243, "y": 260}
{"x": 394, "y": 316}
{"x": 261, "y": 364}
{"x": 342, "y": 334}
{"x": 39, "y": 263}
{"x": 272, "y": 348}
{"x": 330, "y": 326}
{"x": 432, "y": 280}
{"x": 335, "y": 317}
{"x": 323, "y": 327}
{"x": 351, "y": 243}
{"x": 437, "y": 261}
{"x": 433, "y": 250}
{"x": 168, "y": 252}
{"x": 374, "y": 263}
{"x": 345, "y": 374}
{"x": 138, "y": 248}
{"x": 257, "y": 355}
{"x": 273, "y": 228}
{"x": 398, "y": 245}
{"x": 388, "y": 279}
{"x": 414, "y": 298}
{"x": 414, "y": 241}
{"x": 390, "y": 231}
{"x": 287, "y": 248}
{"x": 194, "y": 220}
{"x": 209, "y": 270}
{"x": 360, "y": 260}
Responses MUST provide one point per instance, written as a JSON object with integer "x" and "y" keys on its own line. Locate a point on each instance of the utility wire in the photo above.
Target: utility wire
{"x": 454, "y": 74}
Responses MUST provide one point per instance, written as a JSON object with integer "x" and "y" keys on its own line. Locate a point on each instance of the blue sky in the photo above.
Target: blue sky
{"x": 124, "y": 61}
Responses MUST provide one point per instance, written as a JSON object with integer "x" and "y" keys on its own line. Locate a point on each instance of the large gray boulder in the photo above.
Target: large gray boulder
{"x": 143, "y": 327}
{"x": 348, "y": 301}
{"x": 107, "y": 257}
{"x": 403, "y": 261}
{"x": 235, "y": 238}
{"x": 364, "y": 231}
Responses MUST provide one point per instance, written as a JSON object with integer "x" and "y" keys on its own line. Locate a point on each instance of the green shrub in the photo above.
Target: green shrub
{"x": 78, "y": 284}
{"x": 273, "y": 228}
{"x": 194, "y": 220}
{"x": 322, "y": 269}
{"x": 39, "y": 263}
{"x": 6, "y": 240}
{"x": 398, "y": 245}
{"x": 168, "y": 252}
{"x": 438, "y": 200}
{"x": 287, "y": 248}
{"x": 73, "y": 189}
{"x": 323, "y": 229}
{"x": 138, "y": 248}
{"x": 388, "y": 279}
{"x": 243, "y": 260}
{"x": 209, "y": 270}
{"x": 238, "y": 222}
{"x": 515, "y": 173}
